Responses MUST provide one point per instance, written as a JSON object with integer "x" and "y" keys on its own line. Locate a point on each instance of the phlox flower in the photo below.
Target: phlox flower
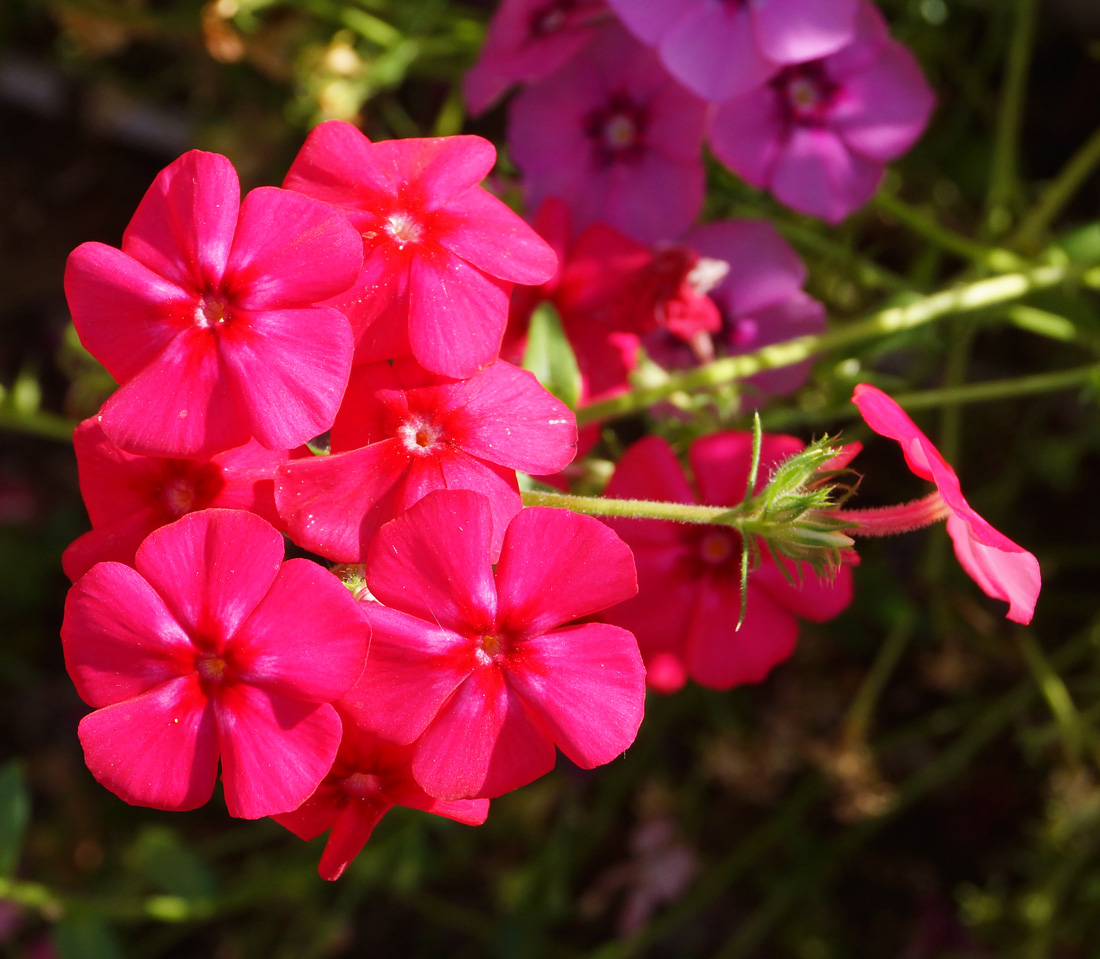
{"x": 615, "y": 137}
{"x": 211, "y": 646}
{"x": 528, "y": 40}
{"x": 208, "y": 316}
{"x": 689, "y": 589}
{"x": 819, "y": 134}
{"x": 759, "y": 300}
{"x": 368, "y": 778}
{"x": 403, "y": 432}
{"x": 128, "y": 496}
{"x": 440, "y": 252}
{"x": 724, "y": 49}
{"x": 475, "y": 663}
{"x": 1002, "y": 569}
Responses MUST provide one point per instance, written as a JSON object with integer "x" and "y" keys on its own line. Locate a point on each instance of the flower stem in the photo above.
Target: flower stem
{"x": 982, "y": 294}
{"x": 889, "y": 520}
{"x": 639, "y": 509}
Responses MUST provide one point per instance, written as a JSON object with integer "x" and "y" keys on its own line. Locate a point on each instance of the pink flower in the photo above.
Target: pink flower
{"x": 208, "y": 315}
{"x": 367, "y": 780}
{"x": 689, "y": 595}
{"x": 722, "y": 50}
{"x": 441, "y": 253}
{"x": 1002, "y": 569}
{"x": 609, "y": 128}
{"x": 474, "y": 663}
{"x": 820, "y": 133}
{"x": 211, "y": 646}
{"x": 528, "y": 40}
{"x": 759, "y": 299}
{"x": 128, "y": 496}
{"x": 403, "y": 432}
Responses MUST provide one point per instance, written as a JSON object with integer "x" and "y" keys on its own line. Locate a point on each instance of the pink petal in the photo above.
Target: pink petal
{"x": 747, "y": 135}
{"x": 484, "y": 232}
{"x": 334, "y": 505}
{"x": 290, "y": 251}
{"x": 817, "y": 174}
{"x": 274, "y": 750}
{"x": 798, "y": 315}
{"x": 377, "y": 306}
{"x": 763, "y": 267}
{"x": 649, "y": 20}
{"x": 336, "y": 164}
{"x": 721, "y": 657}
{"x": 306, "y": 639}
{"x": 212, "y": 568}
{"x": 504, "y": 415}
{"x": 353, "y": 827}
{"x": 557, "y": 566}
{"x": 721, "y": 462}
{"x": 587, "y": 686}
{"x": 649, "y": 469}
{"x": 680, "y": 185}
{"x": 181, "y": 404}
{"x": 183, "y": 228}
{"x": 712, "y": 51}
{"x": 1009, "y": 575}
{"x": 412, "y": 668}
{"x": 440, "y": 167}
{"x": 794, "y": 31}
{"x": 497, "y": 484}
{"x": 482, "y": 743}
{"x": 120, "y": 640}
{"x": 113, "y": 543}
{"x": 809, "y": 596}
{"x": 158, "y": 749}
{"x": 457, "y": 315}
{"x": 433, "y": 562}
{"x": 888, "y": 419}
{"x": 124, "y": 313}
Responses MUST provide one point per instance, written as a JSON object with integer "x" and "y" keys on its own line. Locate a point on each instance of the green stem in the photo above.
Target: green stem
{"x": 920, "y": 223}
{"x": 968, "y": 298}
{"x": 858, "y": 720}
{"x": 1002, "y": 176}
{"x": 1057, "y": 697}
{"x": 640, "y": 509}
{"x": 1059, "y": 192}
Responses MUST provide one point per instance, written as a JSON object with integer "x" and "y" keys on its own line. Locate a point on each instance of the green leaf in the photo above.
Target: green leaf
{"x": 81, "y": 934}
{"x": 15, "y": 813}
{"x": 170, "y": 867}
{"x": 550, "y": 356}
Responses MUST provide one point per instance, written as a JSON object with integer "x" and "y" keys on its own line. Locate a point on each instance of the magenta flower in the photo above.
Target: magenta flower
{"x": 368, "y": 778}
{"x": 759, "y": 299}
{"x": 821, "y": 132}
{"x": 441, "y": 253}
{"x": 475, "y": 663}
{"x": 403, "y": 432}
{"x": 689, "y": 590}
{"x": 1002, "y": 569}
{"x": 128, "y": 496}
{"x": 211, "y": 646}
{"x": 607, "y": 129}
{"x": 723, "y": 50}
{"x": 208, "y": 316}
{"x": 528, "y": 40}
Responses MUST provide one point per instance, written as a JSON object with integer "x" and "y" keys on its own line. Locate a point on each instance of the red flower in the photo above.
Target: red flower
{"x": 403, "y": 432}
{"x": 369, "y": 778}
{"x": 473, "y": 661}
{"x": 208, "y": 318}
{"x": 212, "y": 647}
{"x": 128, "y": 496}
{"x": 689, "y": 577}
{"x": 1001, "y": 568}
{"x": 441, "y": 253}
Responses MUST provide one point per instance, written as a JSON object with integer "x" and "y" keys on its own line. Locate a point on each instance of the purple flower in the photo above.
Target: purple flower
{"x": 820, "y": 133}
{"x": 610, "y": 128}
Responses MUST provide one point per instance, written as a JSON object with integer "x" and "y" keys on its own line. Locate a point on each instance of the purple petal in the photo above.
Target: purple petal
{"x": 817, "y": 174}
{"x": 794, "y": 31}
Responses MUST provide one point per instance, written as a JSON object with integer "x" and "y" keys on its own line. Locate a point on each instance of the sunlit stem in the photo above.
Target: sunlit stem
{"x": 640, "y": 509}
{"x": 890, "y": 520}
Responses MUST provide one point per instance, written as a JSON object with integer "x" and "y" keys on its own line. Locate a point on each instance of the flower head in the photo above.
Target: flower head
{"x": 819, "y": 134}
{"x": 478, "y": 664}
{"x": 208, "y": 316}
{"x": 1002, "y": 569}
{"x": 440, "y": 252}
{"x": 689, "y": 591}
{"x": 211, "y": 647}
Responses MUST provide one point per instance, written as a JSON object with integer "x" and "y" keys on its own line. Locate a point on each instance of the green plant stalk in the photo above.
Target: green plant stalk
{"x": 1057, "y": 698}
{"x": 1002, "y": 175}
{"x": 1058, "y": 193}
{"x": 889, "y": 654}
{"x": 971, "y": 297}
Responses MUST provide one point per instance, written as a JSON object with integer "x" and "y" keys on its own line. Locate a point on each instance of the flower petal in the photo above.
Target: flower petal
{"x": 794, "y": 31}
{"x": 1009, "y": 575}
{"x": 811, "y": 597}
{"x": 721, "y": 463}
{"x": 158, "y": 749}
{"x": 274, "y": 750}
{"x": 587, "y": 685}
{"x": 817, "y": 174}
